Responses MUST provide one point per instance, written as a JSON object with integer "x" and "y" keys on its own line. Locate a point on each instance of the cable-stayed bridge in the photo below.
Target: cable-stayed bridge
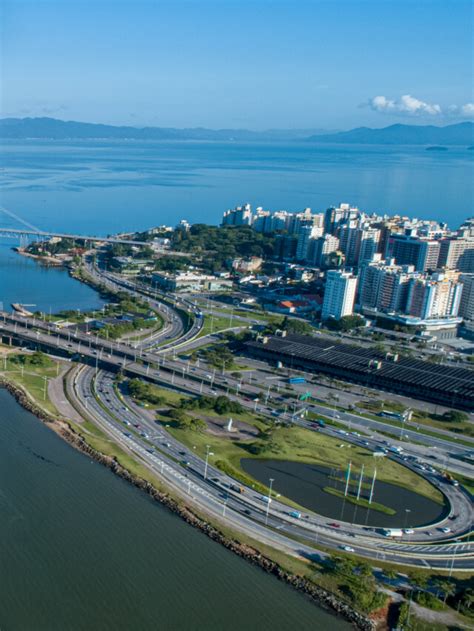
{"x": 28, "y": 230}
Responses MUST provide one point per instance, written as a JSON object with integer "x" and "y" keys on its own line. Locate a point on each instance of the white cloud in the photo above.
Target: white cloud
{"x": 411, "y": 105}
{"x": 462, "y": 111}
{"x": 406, "y": 104}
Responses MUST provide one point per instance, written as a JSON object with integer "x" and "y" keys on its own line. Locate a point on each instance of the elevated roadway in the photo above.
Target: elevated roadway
{"x": 120, "y": 359}
{"x": 132, "y": 428}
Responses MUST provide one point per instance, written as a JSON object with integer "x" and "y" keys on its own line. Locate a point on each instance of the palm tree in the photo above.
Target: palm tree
{"x": 447, "y": 587}
{"x": 418, "y": 579}
{"x": 468, "y": 598}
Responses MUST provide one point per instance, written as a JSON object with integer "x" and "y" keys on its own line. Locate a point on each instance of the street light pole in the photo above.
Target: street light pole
{"x": 453, "y": 558}
{"x": 269, "y": 500}
{"x": 208, "y": 453}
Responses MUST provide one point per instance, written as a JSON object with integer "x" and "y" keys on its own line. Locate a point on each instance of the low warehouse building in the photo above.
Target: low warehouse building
{"x": 445, "y": 385}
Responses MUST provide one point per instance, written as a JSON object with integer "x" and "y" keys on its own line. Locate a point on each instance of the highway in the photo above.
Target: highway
{"x": 251, "y": 384}
{"x": 135, "y": 431}
{"x": 174, "y": 333}
{"x": 191, "y": 383}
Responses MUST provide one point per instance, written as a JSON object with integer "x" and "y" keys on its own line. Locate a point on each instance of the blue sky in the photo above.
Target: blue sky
{"x": 255, "y": 64}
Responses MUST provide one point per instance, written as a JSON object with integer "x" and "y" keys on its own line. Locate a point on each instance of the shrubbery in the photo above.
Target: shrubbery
{"x": 220, "y": 404}
{"x": 358, "y": 582}
{"x": 143, "y": 391}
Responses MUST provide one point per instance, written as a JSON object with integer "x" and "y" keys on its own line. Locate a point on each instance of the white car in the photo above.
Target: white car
{"x": 408, "y": 531}
{"x": 347, "y": 548}
{"x": 446, "y": 530}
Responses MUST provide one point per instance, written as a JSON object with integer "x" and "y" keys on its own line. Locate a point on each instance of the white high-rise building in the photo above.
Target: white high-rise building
{"x": 305, "y": 234}
{"x": 437, "y": 296}
{"x": 240, "y": 216}
{"x": 321, "y": 248}
{"x": 339, "y": 295}
{"x": 466, "y": 306}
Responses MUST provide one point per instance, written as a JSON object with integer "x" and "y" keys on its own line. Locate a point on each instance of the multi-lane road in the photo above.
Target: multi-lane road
{"x": 94, "y": 394}
{"x": 136, "y": 432}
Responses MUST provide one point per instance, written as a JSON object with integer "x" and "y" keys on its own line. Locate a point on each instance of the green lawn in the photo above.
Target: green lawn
{"x": 419, "y": 417}
{"x": 32, "y": 377}
{"x": 423, "y": 431}
{"x": 295, "y": 444}
{"x": 215, "y": 323}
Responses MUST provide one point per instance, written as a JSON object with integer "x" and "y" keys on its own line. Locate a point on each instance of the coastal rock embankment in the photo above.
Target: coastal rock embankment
{"x": 320, "y": 596}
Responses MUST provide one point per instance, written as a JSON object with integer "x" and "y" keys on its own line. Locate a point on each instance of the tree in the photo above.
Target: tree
{"x": 194, "y": 424}
{"x": 142, "y": 391}
{"x": 418, "y": 579}
{"x": 38, "y": 359}
{"x": 454, "y": 416}
{"x": 446, "y": 586}
{"x": 467, "y": 598}
{"x": 299, "y": 327}
{"x": 176, "y": 414}
{"x": 346, "y": 323}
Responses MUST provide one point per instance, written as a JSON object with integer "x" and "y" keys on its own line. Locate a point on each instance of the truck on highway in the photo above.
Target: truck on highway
{"x": 396, "y": 450}
{"x": 294, "y": 513}
{"x": 447, "y": 476}
{"x": 392, "y": 532}
{"x": 296, "y": 380}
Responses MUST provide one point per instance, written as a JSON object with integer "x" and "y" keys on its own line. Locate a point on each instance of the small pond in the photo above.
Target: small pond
{"x": 305, "y": 483}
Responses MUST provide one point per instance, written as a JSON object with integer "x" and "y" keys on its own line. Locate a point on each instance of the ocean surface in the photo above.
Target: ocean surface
{"x": 102, "y": 187}
{"x": 108, "y": 186}
{"x": 81, "y": 549}
{"x": 43, "y": 288}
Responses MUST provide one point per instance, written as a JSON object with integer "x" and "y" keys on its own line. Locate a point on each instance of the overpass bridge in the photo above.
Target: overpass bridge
{"x": 103, "y": 354}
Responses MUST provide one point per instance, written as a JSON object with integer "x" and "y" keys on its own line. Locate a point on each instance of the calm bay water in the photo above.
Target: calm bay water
{"x": 24, "y": 280}
{"x": 106, "y": 186}
{"x": 81, "y": 549}
{"x": 102, "y": 187}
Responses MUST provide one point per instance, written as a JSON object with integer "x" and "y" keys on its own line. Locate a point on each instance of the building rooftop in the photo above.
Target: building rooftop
{"x": 453, "y": 386}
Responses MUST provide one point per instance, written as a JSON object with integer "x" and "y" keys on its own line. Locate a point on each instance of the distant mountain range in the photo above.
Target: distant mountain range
{"x": 52, "y": 128}
{"x": 459, "y": 134}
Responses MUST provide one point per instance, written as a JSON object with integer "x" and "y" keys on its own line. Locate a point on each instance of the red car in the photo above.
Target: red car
{"x": 334, "y": 525}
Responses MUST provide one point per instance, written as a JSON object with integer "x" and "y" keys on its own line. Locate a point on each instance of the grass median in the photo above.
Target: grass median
{"x": 272, "y": 441}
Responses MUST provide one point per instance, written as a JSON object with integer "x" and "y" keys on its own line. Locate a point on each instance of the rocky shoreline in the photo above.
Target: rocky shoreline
{"x": 318, "y": 595}
{"x": 45, "y": 260}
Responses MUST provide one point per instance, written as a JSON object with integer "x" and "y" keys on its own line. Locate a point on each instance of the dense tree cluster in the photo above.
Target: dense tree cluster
{"x": 217, "y": 246}
{"x": 52, "y": 248}
{"x": 220, "y": 404}
{"x": 142, "y": 391}
{"x": 172, "y": 264}
{"x": 219, "y": 356}
{"x": 346, "y": 323}
{"x": 356, "y": 579}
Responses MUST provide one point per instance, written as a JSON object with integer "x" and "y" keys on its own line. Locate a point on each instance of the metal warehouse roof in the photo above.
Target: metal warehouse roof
{"x": 366, "y": 362}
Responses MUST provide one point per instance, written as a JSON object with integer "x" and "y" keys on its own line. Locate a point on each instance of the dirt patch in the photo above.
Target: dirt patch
{"x": 58, "y": 397}
{"x": 239, "y": 429}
